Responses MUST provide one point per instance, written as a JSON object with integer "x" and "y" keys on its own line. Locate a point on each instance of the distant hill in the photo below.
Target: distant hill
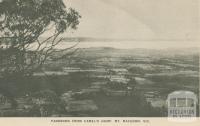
{"x": 108, "y": 51}
{"x": 90, "y": 39}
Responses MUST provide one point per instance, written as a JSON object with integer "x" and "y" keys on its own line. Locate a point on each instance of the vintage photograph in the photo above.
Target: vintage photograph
{"x": 99, "y": 58}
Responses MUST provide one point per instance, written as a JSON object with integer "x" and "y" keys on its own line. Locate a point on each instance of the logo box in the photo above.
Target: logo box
{"x": 182, "y": 105}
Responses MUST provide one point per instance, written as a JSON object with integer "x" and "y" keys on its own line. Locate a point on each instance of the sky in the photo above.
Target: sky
{"x": 149, "y": 23}
{"x": 138, "y": 19}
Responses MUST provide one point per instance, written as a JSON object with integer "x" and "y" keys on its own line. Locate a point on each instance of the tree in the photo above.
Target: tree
{"x": 23, "y": 49}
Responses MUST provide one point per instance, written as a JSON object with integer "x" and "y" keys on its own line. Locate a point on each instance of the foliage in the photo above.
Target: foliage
{"x": 23, "y": 23}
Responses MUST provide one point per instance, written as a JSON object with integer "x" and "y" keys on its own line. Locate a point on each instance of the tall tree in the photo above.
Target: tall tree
{"x": 23, "y": 49}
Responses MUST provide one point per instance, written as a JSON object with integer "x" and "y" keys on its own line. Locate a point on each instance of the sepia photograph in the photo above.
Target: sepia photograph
{"x": 99, "y": 58}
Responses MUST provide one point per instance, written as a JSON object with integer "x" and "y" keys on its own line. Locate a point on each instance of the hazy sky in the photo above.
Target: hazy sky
{"x": 137, "y": 19}
{"x": 155, "y": 23}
